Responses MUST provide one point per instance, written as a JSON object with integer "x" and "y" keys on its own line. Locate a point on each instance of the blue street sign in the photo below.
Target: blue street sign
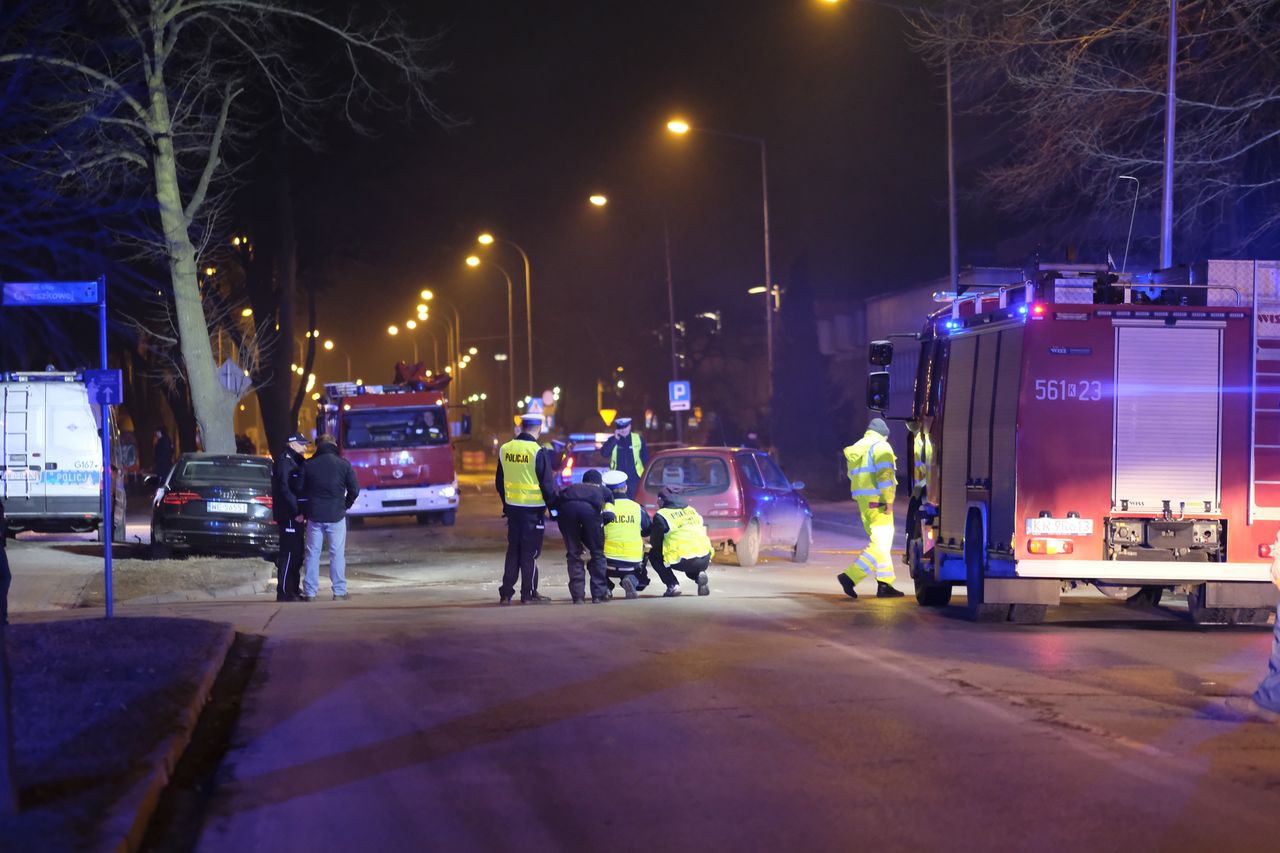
{"x": 106, "y": 387}
{"x": 536, "y": 407}
{"x": 680, "y": 395}
{"x": 29, "y": 293}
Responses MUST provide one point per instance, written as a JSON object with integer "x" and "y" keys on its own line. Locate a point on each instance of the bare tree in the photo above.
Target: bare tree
{"x": 1080, "y": 86}
{"x": 163, "y": 97}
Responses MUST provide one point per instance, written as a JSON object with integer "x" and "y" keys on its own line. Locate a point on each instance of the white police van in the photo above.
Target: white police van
{"x": 51, "y": 455}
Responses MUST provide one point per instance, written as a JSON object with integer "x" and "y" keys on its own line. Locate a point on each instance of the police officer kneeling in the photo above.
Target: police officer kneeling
{"x": 625, "y": 526}
{"x": 524, "y": 480}
{"x": 578, "y": 512}
{"x": 680, "y": 543}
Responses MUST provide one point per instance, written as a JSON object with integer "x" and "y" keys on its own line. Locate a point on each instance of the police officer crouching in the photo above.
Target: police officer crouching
{"x": 625, "y": 526}
{"x": 680, "y": 543}
{"x": 286, "y": 488}
{"x": 578, "y": 512}
{"x": 524, "y": 480}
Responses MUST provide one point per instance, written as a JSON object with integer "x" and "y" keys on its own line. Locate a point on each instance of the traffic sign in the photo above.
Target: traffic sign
{"x": 234, "y": 379}
{"x": 31, "y": 293}
{"x": 536, "y": 407}
{"x": 680, "y": 395}
{"x": 607, "y": 415}
{"x": 105, "y": 387}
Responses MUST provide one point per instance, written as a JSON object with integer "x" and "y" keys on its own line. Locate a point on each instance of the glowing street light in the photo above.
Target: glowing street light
{"x": 411, "y": 325}
{"x": 422, "y": 308}
{"x": 427, "y": 295}
{"x": 328, "y": 345}
{"x": 598, "y": 200}
{"x": 473, "y": 261}
{"x": 473, "y": 351}
{"x": 678, "y": 126}
{"x": 485, "y": 239}
{"x": 248, "y": 312}
{"x": 393, "y": 330}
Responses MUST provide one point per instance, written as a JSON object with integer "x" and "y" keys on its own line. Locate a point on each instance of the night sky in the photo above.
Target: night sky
{"x": 557, "y": 100}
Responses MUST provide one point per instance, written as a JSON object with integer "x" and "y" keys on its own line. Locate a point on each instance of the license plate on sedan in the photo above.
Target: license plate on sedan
{"x": 228, "y": 508}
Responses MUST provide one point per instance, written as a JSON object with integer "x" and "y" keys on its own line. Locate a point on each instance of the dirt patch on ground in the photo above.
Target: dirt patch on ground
{"x": 141, "y": 578}
{"x": 92, "y": 700}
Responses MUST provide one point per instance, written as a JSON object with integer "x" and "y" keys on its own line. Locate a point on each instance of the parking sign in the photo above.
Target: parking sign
{"x": 680, "y": 395}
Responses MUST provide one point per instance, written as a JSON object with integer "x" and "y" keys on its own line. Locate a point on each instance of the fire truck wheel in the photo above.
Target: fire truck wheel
{"x": 748, "y": 547}
{"x": 1028, "y": 614}
{"x": 800, "y": 552}
{"x": 448, "y": 519}
{"x": 974, "y": 548}
{"x": 928, "y": 593}
{"x": 1202, "y": 615}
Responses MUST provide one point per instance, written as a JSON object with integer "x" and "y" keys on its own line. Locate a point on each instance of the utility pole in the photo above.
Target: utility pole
{"x": 1166, "y": 207}
{"x": 671, "y": 320}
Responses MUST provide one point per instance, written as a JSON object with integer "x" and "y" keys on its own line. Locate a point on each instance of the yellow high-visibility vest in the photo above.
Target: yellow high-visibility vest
{"x": 922, "y": 453}
{"x": 520, "y": 485}
{"x": 635, "y": 454}
{"x": 872, "y": 468}
{"x": 686, "y": 535}
{"x": 622, "y": 537}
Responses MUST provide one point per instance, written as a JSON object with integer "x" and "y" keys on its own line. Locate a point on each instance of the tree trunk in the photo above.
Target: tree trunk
{"x": 310, "y": 360}
{"x": 214, "y": 406}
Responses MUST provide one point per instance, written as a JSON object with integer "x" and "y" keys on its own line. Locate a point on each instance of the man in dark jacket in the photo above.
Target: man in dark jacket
{"x": 329, "y": 489}
{"x": 286, "y": 487}
{"x": 525, "y": 480}
{"x": 578, "y": 513}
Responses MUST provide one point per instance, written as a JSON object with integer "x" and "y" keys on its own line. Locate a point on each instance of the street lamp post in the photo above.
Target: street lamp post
{"x": 488, "y": 239}
{"x": 473, "y": 262}
{"x": 681, "y": 127}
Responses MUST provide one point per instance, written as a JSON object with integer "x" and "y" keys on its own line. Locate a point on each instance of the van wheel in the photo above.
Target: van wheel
{"x": 449, "y": 518}
{"x": 928, "y": 592}
{"x": 748, "y": 547}
{"x": 800, "y": 552}
{"x": 975, "y": 547}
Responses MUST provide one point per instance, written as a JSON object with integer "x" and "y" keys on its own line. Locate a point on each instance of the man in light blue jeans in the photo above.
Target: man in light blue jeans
{"x": 329, "y": 490}
{"x": 1265, "y": 702}
{"x": 316, "y": 533}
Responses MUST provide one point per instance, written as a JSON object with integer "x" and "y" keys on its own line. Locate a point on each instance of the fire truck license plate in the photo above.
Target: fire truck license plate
{"x": 228, "y": 508}
{"x": 1059, "y": 526}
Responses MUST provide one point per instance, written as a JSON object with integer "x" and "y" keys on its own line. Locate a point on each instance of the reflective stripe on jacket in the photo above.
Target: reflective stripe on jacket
{"x": 519, "y": 475}
{"x": 686, "y": 536}
{"x": 872, "y": 468}
{"x": 623, "y": 539}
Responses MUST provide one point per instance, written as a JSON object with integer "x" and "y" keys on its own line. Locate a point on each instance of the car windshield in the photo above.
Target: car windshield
{"x": 690, "y": 475}
{"x": 394, "y": 428}
{"x": 224, "y": 472}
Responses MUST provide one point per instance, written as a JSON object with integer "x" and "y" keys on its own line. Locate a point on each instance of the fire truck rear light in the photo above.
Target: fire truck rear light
{"x": 1037, "y": 310}
{"x": 1050, "y": 547}
{"x": 1266, "y": 551}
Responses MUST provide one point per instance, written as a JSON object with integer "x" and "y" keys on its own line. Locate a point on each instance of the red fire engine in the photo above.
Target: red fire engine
{"x": 399, "y": 440}
{"x": 1095, "y": 428}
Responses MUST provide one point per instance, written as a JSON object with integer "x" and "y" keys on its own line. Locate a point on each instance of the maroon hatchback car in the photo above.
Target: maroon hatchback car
{"x": 742, "y": 495}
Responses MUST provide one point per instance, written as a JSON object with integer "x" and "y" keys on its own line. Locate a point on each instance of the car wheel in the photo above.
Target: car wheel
{"x": 800, "y": 552}
{"x": 748, "y": 547}
{"x": 449, "y": 518}
{"x": 160, "y": 550}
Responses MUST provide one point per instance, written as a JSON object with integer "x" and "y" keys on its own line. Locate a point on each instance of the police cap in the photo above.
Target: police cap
{"x": 613, "y": 479}
{"x": 531, "y": 420}
{"x": 622, "y": 423}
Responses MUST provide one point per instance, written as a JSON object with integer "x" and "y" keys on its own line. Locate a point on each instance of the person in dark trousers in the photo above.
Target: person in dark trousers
{"x": 578, "y": 512}
{"x": 1264, "y": 704}
{"x": 162, "y": 454}
{"x": 6, "y": 577}
{"x": 286, "y": 489}
{"x": 525, "y": 480}
{"x": 329, "y": 488}
{"x": 626, "y": 452}
{"x": 625, "y": 526}
{"x": 679, "y": 543}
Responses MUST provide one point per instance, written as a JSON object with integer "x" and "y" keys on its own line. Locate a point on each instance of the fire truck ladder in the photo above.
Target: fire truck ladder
{"x": 14, "y": 422}
{"x": 1264, "y": 434}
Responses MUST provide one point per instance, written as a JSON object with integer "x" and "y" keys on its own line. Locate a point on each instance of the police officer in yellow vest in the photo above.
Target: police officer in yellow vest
{"x": 627, "y": 453}
{"x": 873, "y": 482}
{"x": 525, "y": 480}
{"x": 625, "y": 526}
{"x": 679, "y": 543}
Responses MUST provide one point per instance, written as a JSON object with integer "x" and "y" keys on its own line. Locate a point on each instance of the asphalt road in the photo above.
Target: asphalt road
{"x": 773, "y": 715}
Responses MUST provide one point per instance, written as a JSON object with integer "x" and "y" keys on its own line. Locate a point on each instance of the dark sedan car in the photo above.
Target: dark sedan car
{"x": 218, "y": 504}
{"x": 742, "y": 495}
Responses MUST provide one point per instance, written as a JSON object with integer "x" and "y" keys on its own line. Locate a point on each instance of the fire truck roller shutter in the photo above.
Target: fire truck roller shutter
{"x": 1001, "y": 524}
{"x": 954, "y": 464}
{"x": 1168, "y": 417}
{"x": 984, "y": 395}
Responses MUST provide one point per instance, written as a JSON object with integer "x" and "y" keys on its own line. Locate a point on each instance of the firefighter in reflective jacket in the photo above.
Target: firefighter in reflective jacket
{"x": 625, "y": 526}
{"x": 524, "y": 480}
{"x": 921, "y": 467}
{"x": 679, "y": 543}
{"x": 872, "y": 468}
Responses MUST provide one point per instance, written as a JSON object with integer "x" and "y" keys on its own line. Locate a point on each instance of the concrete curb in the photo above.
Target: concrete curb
{"x": 253, "y": 588}
{"x": 131, "y": 814}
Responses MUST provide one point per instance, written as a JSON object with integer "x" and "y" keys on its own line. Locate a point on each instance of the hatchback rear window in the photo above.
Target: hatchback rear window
{"x": 691, "y": 475}
{"x": 225, "y": 472}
